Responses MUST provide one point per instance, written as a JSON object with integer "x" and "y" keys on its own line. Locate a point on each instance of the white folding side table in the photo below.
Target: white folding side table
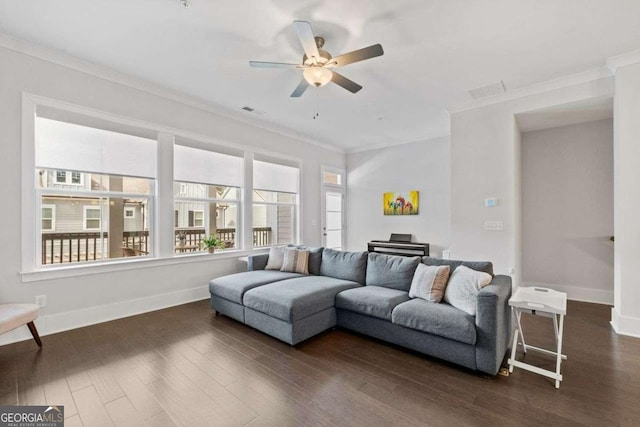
{"x": 542, "y": 302}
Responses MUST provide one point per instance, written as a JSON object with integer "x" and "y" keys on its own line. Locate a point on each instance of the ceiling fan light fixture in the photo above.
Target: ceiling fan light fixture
{"x": 317, "y": 76}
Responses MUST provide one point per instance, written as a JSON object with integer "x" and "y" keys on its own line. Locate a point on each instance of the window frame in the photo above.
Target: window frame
{"x": 295, "y": 204}
{"x": 51, "y": 206}
{"x": 68, "y": 177}
{"x": 85, "y": 209}
{"x": 160, "y": 199}
{"x": 238, "y": 202}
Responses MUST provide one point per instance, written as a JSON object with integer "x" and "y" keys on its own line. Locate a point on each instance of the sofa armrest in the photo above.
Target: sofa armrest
{"x": 493, "y": 324}
{"x": 257, "y": 262}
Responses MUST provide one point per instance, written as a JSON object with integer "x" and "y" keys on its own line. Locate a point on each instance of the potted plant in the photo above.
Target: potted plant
{"x": 212, "y": 243}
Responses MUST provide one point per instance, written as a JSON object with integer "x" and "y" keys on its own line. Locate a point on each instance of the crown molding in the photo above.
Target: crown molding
{"x": 74, "y": 63}
{"x": 629, "y": 58}
{"x": 395, "y": 144}
{"x": 537, "y": 88}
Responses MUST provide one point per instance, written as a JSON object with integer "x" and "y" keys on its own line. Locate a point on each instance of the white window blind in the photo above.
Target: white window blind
{"x": 66, "y": 146}
{"x": 207, "y": 167}
{"x": 274, "y": 177}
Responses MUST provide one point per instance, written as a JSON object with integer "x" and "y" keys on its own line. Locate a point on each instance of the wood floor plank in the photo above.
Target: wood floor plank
{"x": 123, "y": 413}
{"x": 90, "y": 408}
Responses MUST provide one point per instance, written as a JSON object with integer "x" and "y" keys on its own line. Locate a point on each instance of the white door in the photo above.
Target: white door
{"x": 332, "y": 218}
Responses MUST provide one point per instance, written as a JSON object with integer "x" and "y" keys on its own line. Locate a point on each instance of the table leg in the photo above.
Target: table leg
{"x": 559, "y": 355}
{"x": 515, "y": 341}
{"x": 519, "y": 326}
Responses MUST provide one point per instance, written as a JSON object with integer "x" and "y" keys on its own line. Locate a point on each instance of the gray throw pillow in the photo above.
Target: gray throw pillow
{"x": 485, "y": 266}
{"x": 344, "y": 265}
{"x": 391, "y": 271}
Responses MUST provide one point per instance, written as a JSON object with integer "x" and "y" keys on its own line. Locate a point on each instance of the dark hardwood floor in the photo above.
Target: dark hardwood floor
{"x": 183, "y": 366}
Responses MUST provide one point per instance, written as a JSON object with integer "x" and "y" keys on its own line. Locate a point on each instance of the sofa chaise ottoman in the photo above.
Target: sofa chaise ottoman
{"x": 369, "y": 293}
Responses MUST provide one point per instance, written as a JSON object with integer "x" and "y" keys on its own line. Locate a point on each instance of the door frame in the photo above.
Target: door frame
{"x": 332, "y": 188}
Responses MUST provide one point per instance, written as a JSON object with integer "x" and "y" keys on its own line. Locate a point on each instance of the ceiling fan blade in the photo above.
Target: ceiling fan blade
{"x": 300, "y": 89}
{"x": 305, "y": 34}
{"x": 344, "y": 82}
{"x": 357, "y": 55}
{"x": 260, "y": 64}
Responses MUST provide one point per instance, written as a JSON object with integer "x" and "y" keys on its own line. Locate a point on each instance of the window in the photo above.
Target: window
{"x": 48, "y": 217}
{"x": 92, "y": 218}
{"x": 331, "y": 178}
{"x": 68, "y": 177}
{"x": 101, "y": 184}
{"x": 275, "y": 203}
{"x": 206, "y": 197}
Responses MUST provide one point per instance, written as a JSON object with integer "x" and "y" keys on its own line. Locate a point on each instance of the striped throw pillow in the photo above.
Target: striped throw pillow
{"x": 295, "y": 261}
{"x": 429, "y": 282}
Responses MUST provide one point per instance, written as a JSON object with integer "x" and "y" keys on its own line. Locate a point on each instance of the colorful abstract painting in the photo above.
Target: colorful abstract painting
{"x": 404, "y": 203}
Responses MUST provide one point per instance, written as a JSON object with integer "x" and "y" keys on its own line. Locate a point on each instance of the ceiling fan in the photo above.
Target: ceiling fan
{"x": 318, "y": 64}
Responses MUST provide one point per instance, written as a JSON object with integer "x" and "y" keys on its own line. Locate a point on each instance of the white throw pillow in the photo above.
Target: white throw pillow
{"x": 463, "y": 287}
{"x": 276, "y": 258}
{"x": 429, "y": 282}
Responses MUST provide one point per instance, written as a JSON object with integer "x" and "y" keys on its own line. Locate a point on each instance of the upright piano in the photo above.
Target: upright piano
{"x": 398, "y": 244}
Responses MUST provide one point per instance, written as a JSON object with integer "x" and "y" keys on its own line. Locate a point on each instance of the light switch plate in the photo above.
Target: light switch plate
{"x": 494, "y": 226}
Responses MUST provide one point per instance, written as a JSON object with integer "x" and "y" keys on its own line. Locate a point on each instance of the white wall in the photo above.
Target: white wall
{"x": 84, "y": 299}
{"x": 625, "y": 316}
{"x": 422, "y": 166}
{"x": 485, "y": 162}
{"x": 567, "y": 210}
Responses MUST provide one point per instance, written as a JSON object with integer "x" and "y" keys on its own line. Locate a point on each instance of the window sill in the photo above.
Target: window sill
{"x": 129, "y": 264}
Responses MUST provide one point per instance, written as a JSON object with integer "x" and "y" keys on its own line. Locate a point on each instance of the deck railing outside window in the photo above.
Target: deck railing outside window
{"x": 60, "y": 248}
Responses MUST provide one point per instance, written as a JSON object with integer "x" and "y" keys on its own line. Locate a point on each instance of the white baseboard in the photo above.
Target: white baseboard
{"x": 625, "y": 325}
{"x": 103, "y": 313}
{"x": 576, "y": 293}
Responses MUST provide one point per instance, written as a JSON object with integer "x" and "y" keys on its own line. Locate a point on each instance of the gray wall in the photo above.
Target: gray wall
{"x": 422, "y": 166}
{"x": 567, "y": 209}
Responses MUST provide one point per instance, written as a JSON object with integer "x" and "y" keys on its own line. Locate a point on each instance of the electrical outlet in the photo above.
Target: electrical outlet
{"x": 41, "y": 300}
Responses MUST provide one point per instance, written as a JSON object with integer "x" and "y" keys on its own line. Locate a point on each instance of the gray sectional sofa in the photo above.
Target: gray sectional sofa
{"x": 368, "y": 293}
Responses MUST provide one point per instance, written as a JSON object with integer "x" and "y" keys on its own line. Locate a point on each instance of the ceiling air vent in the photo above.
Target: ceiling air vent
{"x": 249, "y": 109}
{"x": 489, "y": 90}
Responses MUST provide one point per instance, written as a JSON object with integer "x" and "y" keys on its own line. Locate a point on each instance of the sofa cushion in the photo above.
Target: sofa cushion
{"x": 233, "y": 286}
{"x": 373, "y": 301}
{"x": 315, "y": 258}
{"x": 437, "y": 319}
{"x": 485, "y": 266}
{"x": 350, "y": 266}
{"x": 391, "y": 271}
{"x": 295, "y": 299}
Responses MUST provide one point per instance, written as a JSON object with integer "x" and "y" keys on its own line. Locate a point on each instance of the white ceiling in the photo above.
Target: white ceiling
{"x": 435, "y": 52}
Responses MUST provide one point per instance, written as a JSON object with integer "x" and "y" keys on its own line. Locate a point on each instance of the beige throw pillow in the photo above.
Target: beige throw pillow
{"x": 295, "y": 261}
{"x": 276, "y": 258}
{"x": 463, "y": 287}
{"x": 429, "y": 282}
